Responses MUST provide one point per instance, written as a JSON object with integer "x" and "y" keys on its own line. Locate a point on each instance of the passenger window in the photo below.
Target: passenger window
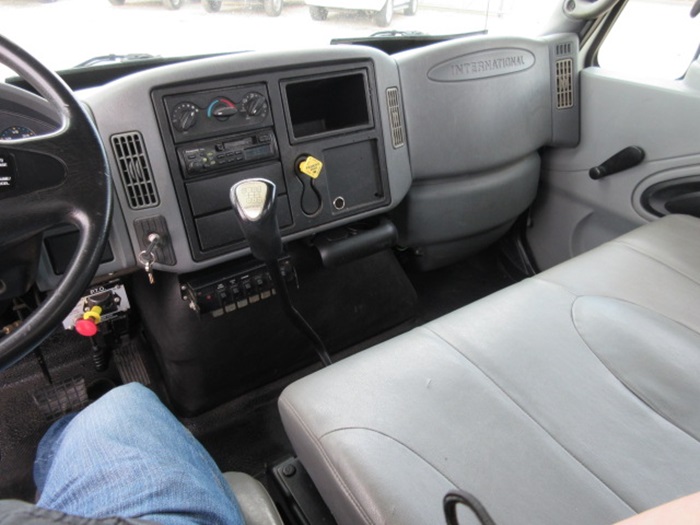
{"x": 652, "y": 38}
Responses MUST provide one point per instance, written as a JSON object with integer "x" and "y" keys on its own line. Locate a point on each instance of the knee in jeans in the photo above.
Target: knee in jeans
{"x": 126, "y": 402}
{"x": 130, "y": 393}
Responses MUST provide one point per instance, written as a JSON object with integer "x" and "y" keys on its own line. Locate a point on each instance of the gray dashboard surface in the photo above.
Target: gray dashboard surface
{"x": 456, "y": 117}
{"x": 128, "y": 104}
{"x": 481, "y": 102}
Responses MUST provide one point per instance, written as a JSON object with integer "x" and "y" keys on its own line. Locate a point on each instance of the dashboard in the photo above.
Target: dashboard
{"x": 325, "y": 126}
{"x": 435, "y": 149}
{"x": 331, "y": 128}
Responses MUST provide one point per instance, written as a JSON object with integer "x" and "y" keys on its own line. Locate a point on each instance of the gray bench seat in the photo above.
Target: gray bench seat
{"x": 571, "y": 397}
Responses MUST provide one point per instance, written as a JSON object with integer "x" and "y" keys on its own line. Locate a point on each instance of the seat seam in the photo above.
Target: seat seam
{"x": 540, "y": 278}
{"x": 331, "y": 467}
{"x": 647, "y": 402}
{"x": 648, "y": 255}
{"x": 543, "y": 278}
{"x": 563, "y": 287}
{"x": 531, "y": 418}
{"x": 392, "y": 438}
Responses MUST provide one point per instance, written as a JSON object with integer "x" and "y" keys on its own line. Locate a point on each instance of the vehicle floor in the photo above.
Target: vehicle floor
{"x": 244, "y": 434}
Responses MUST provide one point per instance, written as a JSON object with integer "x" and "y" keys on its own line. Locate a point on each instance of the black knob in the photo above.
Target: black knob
{"x": 255, "y": 105}
{"x": 184, "y": 116}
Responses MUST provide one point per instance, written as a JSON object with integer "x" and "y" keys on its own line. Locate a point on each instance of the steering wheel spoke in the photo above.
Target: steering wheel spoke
{"x": 36, "y": 191}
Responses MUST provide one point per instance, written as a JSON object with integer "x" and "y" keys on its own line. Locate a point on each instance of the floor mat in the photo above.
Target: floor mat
{"x": 62, "y": 398}
{"x": 446, "y": 289}
{"x": 246, "y": 434}
{"x": 29, "y": 403}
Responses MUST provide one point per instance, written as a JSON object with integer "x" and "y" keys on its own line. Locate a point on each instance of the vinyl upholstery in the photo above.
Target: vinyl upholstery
{"x": 256, "y": 504}
{"x": 570, "y": 397}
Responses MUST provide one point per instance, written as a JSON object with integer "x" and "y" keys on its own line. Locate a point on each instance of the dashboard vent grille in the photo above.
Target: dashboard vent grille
{"x": 565, "y": 83}
{"x": 564, "y": 49}
{"x": 397, "y": 133}
{"x": 135, "y": 170}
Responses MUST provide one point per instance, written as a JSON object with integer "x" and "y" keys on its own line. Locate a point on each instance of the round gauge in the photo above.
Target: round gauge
{"x": 184, "y": 116}
{"x": 16, "y": 132}
{"x": 255, "y": 105}
{"x": 221, "y": 108}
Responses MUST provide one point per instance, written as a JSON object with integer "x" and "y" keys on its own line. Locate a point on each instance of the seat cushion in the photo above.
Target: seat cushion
{"x": 254, "y": 501}
{"x": 543, "y": 400}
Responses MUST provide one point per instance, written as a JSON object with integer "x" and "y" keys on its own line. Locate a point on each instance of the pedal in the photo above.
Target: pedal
{"x": 130, "y": 364}
{"x": 62, "y": 398}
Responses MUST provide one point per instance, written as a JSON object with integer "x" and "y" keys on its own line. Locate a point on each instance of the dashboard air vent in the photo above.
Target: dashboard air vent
{"x": 564, "y": 49}
{"x": 397, "y": 133}
{"x": 565, "y": 83}
{"x": 135, "y": 170}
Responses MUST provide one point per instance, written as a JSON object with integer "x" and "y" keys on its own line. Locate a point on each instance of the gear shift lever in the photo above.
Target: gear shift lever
{"x": 254, "y": 202}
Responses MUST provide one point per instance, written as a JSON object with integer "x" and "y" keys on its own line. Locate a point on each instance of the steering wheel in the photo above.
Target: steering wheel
{"x": 76, "y": 189}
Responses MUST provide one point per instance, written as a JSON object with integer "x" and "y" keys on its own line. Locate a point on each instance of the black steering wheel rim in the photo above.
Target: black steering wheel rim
{"x": 83, "y": 198}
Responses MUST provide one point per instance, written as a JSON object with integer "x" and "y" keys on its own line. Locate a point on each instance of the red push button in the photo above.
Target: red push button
{"x": 86, "y": 327}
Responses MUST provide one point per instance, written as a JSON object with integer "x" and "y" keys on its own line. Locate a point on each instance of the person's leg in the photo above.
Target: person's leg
{"x": 126, "y": 455}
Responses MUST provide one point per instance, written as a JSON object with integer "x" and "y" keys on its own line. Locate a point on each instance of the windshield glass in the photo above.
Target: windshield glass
{"x": 67, "y": 33}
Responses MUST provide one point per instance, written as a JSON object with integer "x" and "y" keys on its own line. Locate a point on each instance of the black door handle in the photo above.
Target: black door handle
{"x": 623, "y": 160}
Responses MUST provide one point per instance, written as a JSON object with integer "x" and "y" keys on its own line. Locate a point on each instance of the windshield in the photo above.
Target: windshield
{"x": 66, "y": 33}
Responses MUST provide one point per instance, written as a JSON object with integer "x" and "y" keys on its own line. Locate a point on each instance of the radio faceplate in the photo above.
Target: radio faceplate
{"x": 227, "y": 152}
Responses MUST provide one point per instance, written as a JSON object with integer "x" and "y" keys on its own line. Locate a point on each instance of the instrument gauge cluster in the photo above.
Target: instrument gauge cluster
{"x": 17, "y": 132}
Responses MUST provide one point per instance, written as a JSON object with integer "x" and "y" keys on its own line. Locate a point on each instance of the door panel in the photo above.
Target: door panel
{"x": 574, "y": 213}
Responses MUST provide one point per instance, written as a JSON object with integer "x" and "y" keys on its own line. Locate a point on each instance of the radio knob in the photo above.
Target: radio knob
{"x": 194, "y": 167}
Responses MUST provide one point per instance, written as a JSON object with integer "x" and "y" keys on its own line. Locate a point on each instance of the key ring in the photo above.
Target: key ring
{"x": 146, "y": 258}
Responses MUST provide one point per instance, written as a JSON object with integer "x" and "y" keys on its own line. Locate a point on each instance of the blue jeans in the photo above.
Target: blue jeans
{"x": 126, "y": 455}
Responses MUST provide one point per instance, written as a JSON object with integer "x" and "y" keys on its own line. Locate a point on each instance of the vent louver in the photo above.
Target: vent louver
{"x": 135, "y": 170}
{"x": 565, "y": 83}
{"x": 564, "y": 49}
{"x": 397, "y": 133}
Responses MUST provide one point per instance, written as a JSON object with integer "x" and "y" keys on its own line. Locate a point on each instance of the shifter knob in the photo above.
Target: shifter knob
{"x": 254, "y": 202}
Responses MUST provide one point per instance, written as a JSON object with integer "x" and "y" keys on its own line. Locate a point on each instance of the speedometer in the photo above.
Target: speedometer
{"x": 16, "y": 132}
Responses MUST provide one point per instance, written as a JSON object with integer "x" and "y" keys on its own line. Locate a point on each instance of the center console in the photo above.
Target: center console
{"x": 326, "y": 127}
{"x": 315, "y": 132}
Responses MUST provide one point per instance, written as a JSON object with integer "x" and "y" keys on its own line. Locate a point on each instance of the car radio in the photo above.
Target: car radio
{"x": 227, "y": 152}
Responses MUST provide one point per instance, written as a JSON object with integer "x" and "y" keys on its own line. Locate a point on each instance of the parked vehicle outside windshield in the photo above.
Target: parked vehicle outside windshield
{"x": 65, "y": 33}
